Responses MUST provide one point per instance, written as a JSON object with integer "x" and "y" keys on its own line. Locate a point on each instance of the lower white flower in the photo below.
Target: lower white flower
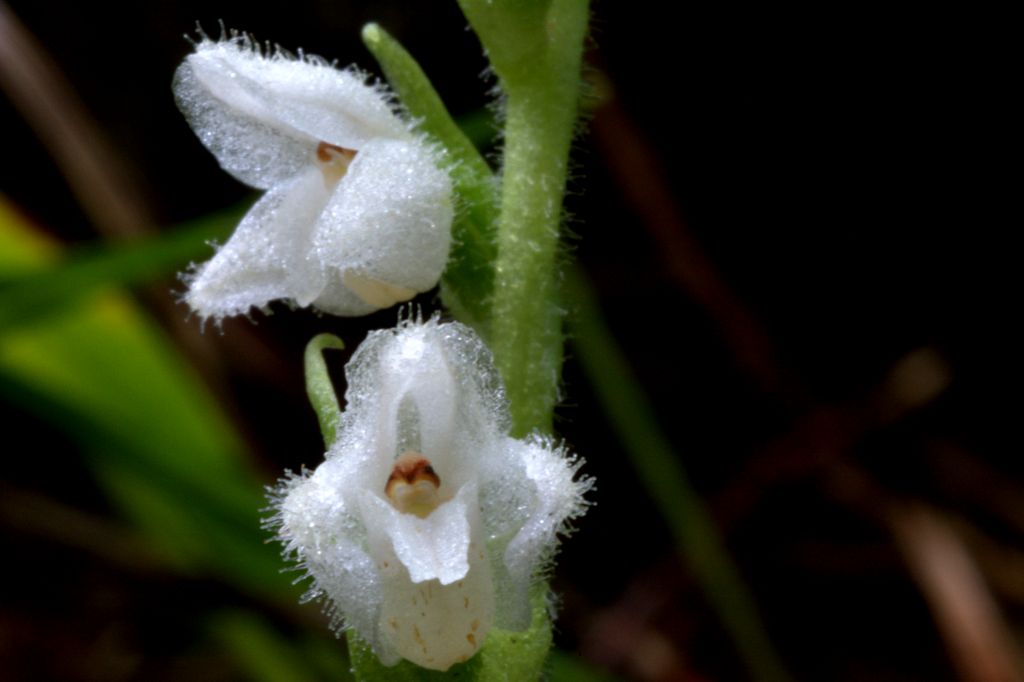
{"x": 427, "y": 524}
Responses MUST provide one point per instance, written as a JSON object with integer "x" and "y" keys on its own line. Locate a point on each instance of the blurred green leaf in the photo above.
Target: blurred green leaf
{"x": 660, "y": 469}
{"x": 23, "y": 250}
{"x": 27, "y": 293}
{"x": 267, "y": 656}
{"x": 105, "y": 373}
{"x": 564, "y": 667}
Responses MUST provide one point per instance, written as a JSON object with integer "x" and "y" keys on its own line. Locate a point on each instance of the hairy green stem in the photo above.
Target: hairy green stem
{"x": 536, "y": 51}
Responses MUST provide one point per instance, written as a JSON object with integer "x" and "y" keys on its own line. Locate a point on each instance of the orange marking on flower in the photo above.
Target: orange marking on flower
{"x": 333, "y": 161}
{"x": 331, "y": 152}
{"x": 413, "y": 485}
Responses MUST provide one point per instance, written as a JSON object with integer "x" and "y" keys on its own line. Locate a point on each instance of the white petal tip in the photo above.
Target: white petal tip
{"x": 375, "y": 292}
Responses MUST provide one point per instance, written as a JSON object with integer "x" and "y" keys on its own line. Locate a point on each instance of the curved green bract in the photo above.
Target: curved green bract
{"x": 319, "y": 387}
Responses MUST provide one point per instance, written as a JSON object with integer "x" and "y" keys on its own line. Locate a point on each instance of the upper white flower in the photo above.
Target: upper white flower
{"x": 427, "y": 523}
{"x": 357, "y": 214}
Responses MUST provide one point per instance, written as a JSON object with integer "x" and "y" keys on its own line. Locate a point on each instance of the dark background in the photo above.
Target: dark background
{"x": 779, "y": 210}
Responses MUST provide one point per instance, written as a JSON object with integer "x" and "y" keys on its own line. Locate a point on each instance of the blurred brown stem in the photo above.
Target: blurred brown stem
{"x": 36, "y": 514}
{"x": 39, "y": 90}
{"x": 977, "y": 638}
{"x": 633, "y": 163}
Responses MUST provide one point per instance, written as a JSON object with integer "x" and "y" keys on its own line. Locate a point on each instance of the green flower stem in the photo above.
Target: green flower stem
{"x": 658, "y": 466}
{"x": 536, "y": 51}
{"x": 319, "y": 387}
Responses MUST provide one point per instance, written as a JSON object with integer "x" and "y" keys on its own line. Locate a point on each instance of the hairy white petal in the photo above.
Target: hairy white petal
{"x": 256, "y": 150}
{"x": 309, "y": 95}
{"x": 268, "y": 256}
{"x": 556, "y": 499}
{"x": 257, "y": 114}
{"x": 390, "y": 218}
{"x": 415, "y": 379}
{"x": 330, "y": 542}
{"x": 430, "y": 387}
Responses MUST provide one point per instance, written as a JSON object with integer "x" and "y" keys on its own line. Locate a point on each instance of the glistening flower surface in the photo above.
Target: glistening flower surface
{"x": 427, "y": 524}
{"x": 357, "y": 214}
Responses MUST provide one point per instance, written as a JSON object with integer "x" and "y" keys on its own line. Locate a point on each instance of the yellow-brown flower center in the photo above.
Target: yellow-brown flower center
{"x": 333, "y": 161}
{"x": 413, "y": 485}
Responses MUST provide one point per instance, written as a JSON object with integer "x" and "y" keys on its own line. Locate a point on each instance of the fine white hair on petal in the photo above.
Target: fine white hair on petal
{"x": 390, "y": 219}
{"x": 228, "y": 90}
{"x": 556, "y": 499}
{"x": 268, "y": 255}
{"x": 254, "y": 150}
{"x": 327, "y": 540}
{"x": 429, "y": 588}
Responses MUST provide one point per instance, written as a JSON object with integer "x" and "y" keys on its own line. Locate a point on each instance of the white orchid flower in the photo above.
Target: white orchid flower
{"x": 427, "y": 524}
{"x": 357, "y": 214}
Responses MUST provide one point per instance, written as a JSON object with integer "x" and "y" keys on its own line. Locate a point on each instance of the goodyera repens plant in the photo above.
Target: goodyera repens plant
{"x": 431, "y": 525}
